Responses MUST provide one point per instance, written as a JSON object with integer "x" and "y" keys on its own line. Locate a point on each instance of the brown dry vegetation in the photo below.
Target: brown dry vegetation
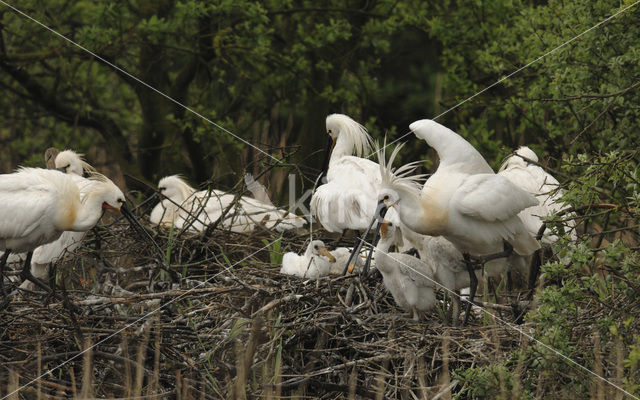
{"x": 232, "y": 327}
{"x": 229, "y": 325}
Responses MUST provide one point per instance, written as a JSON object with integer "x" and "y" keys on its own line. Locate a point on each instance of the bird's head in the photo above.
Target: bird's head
{"x": 174, "y": 188}
{"x": 318, "y": 249}
{"x": 388, "y": 197}
{"x": 112, "y": 197}
{"x": 70, "y": 162}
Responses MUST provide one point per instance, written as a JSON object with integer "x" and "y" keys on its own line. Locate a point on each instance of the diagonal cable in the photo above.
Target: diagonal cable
{"x": 112, "y": 65}
{"x": 499, "y": 81}
{"x": 509, "y": 325}
{"x": 173, "y": 300}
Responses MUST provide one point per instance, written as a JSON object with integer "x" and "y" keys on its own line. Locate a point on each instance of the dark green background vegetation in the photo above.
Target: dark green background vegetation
{"x": 270, "y": 71}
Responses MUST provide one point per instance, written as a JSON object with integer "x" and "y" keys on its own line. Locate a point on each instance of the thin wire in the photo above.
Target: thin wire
{"x": 518, "y": 70}
{"x": 522, "y": 332}
{"x": 136, "y": 321}
{"x": 138, "y": 80}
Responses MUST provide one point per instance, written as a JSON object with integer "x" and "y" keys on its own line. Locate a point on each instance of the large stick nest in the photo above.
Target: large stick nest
{"x": 230, "y": 326}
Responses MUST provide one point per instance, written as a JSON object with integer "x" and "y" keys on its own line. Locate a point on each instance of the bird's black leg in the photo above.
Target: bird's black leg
{"x": 26, "y": 274}
{"x": 473, "y": 281}
{"x": 3, "y": 262}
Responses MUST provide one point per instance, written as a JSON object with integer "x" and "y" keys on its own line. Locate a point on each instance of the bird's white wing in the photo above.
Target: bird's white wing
{"x": 353, "y": 167}
{"x": 24, "y": 208}
{"x": 533, "y": 179}
{"x": 490, "y": 197}
{"x": 258, "y": 190}
{"x": 339, "y": 207}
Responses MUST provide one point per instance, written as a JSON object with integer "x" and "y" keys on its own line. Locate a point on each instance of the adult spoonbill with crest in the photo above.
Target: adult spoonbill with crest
{"x": 348, "y": 198}
{"x": 464, "y": 201}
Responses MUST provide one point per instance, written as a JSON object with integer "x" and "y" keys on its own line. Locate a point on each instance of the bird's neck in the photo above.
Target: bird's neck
{"x": 344, "y": 147}
{"x": 89, "y": 212}
{"x": 382, "y": 252}
{"x": 308, "y": 253}
{"x": 422, "y": 214}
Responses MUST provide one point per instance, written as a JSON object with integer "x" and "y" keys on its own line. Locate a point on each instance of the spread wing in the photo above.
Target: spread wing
{"x": 491, "y": 198}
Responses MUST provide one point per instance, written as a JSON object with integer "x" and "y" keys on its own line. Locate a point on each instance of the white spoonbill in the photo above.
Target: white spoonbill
{"x": 69, "y": 162}
{"x": 37, "y": 205}
{"x": 520, "y": 169}
{"x": 314, "y": 263}
{"x": 183, "y": 204}
{"x": 530, "y": 177}
{"x": 409, "y": 280}
{"x": 464, "y": 200}
{"x": 348, "y": 199}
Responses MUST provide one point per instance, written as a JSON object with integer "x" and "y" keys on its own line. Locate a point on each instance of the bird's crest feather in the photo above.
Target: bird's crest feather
{"x": 401, "y": 178}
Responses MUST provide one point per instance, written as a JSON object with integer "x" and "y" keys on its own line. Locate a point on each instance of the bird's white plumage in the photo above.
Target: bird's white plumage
{"x": 184, "y": 205}
{"x": 347, "y": 200}
{"x": 37, "y": 205}
{"x": 68, "y": 240}
{"x": 342, "y": 255}
{"x": 463, "y": 200}
{"x": 258, "y": 190}
{"x": 72, "y": 163}
{"x": 491, "y": 198}
{"x": 314, "y": 263}
{"x": 409, "y": 280}
{"x": 536, "y": 181}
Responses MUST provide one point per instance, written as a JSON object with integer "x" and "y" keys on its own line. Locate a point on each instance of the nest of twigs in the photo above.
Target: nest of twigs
{"x": 211, "y": 317}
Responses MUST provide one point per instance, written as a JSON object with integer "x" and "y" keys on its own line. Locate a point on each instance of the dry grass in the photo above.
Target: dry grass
{"x": 233, "y": 327}
{"x": 225, "y": 329}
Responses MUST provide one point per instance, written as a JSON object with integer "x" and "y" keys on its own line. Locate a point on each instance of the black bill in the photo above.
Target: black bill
{"x": 381, "y": 210}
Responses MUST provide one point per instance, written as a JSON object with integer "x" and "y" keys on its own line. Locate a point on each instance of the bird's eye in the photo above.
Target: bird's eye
{"x": 329, "y": 131}
{"x": 122, "y": 201}
{"x": 162, "y": 189}
{"x": 390, "y": 224}
{"x": 386, "y": 197}
{"x": 315, "y": 247}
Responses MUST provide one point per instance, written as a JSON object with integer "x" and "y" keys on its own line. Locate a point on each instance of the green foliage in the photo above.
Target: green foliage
{"x": 276, "y": 251}
{"x": 246, "y": 65}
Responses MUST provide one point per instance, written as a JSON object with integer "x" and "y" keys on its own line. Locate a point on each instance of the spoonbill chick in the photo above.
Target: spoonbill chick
{"x": 37, "y": 205}
{"x": 409, "y": 280}
{"x": 314, "y": 263}
{"x": 342, "y": 256}
{"x": 464, "y": 200}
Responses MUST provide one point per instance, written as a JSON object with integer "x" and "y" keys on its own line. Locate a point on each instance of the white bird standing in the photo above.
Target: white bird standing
{"x": 314, "y": 263}
{"x": 37, "y": 205}
{"x": 536, "y": 181}
{"x": 69, "y": 162}
{"x": 184, "y": 205}
{"x": 348, "y": 199}
{"x": 520, "y": 169}
{"x": 464, "y": 200}
{"x": 448, "y": 265}
{"x": 409, "y": 280}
